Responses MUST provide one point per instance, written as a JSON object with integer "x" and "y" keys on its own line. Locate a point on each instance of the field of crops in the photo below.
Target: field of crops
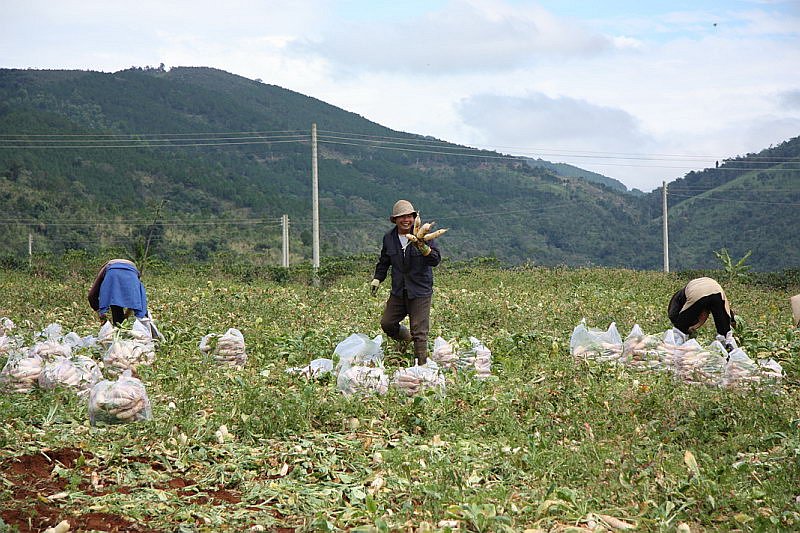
{"x": 546, "y": 444}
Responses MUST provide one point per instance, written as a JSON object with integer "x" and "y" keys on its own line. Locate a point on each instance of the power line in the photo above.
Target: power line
{"x": 715, "y": 199}
{"x": 551, "y": 150}
{"x": 32, "y": 222}
{"x": 298, "y": 132}
{"x": 258, "y": 137}
{"x": 143, "y": 145}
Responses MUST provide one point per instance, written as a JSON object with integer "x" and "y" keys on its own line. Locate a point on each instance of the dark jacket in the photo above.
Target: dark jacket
{"x": 118, "y": 284}
{"x": 411, "y": 271}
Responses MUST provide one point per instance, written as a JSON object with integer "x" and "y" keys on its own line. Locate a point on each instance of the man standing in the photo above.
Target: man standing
{"x": 412, "y": 280}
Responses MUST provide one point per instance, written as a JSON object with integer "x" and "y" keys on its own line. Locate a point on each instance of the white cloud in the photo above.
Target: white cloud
{"x": 790, "y": 100}
{"x": 466, "y": 35}
{"x": 629, "y": 77}
{"x": 538, "y": 120}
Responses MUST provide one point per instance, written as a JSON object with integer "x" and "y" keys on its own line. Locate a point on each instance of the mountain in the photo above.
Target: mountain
{"x": 563, "y": 169}
{"x": 197, "y": 161}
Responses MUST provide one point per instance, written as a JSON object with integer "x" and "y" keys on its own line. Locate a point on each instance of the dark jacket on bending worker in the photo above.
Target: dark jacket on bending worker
{"x": 412, "y": 272}
{"x": 699, "y": 296}
{"x": 118, "y": 284}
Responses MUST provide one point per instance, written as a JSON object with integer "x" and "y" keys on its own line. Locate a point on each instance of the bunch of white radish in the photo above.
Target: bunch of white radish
{"x": 6, "y": 325}
{"x": 21, "y": 372}
{"x": 78, "y": 372}
{"x": 477, "y": 358}
{"x": 422, "y": 232}
{"x": 226, "y": 349}
{"x": 644, "y": 352}
{"x": 418, "y": 378}
{"x": 443, "y": 353}
{"x": 8, "y": 343}
{"x": 51, "y": 348}
{"x": 483, "y": 359}
{"x": 596, "y": 344}
{"x": 128, "y": 354}
{"x": 118, "y": 402}
{"x": 743, "y": 372}
{"x": 362, "y": 380}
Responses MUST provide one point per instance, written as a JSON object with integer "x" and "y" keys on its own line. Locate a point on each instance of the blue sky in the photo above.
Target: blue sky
{"x": 642, "y": 91}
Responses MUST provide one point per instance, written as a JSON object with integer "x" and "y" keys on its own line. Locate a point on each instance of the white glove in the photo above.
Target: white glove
{"x": 373, "y": 286}
{"x": 728, "y": 341}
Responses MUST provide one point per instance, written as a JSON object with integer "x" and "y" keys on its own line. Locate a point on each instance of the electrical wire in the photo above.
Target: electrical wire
{"x": 716, "y": 199}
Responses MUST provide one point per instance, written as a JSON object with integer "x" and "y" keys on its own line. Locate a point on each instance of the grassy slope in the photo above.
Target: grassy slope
{"x": 546, "y": 443}
{"x": 492, "y": 209}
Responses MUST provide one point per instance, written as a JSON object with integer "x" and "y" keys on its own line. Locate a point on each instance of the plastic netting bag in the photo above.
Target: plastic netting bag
{"x": 146, "y": 328}
{"x": 315, "y": 369}
{"x": 77, "y": 372}
{"x": 358, "y": 349}
{"x": 119, "y": 402}
{"x": 6, "y": 325}
{"x": 742, "y": 371}
{"x": 477, "y": 358}
{"x": 693, "y": 363}
{"x": 128, "y": 354}
{"x": 21, "y": 372}
{"x": 52, "y": 343}
{"x": 600, "y": 345}
{"x": 226, "y": 349}
{"x": 51, "y": 348}
{"x": 643, "y": 352}
{"x": 419, "y": 378}
{"x": 443, "y": 354}
{"x": 7, "y": 341}
{"x": 106, "y": 334}
{"x": 59, "y": 372}
{"x": 362, "y": 380}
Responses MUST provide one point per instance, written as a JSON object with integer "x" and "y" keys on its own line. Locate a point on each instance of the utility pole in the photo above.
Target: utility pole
{"x": 666, "y": 227}
{"x": 150, "y": 236}
{"x": 285, "y": 228}
{"x": 30, "y": 250}
{"x": 314, "y": 204}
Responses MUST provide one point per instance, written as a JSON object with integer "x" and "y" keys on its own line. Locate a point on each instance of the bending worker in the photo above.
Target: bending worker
{"x": 117, "y": 287}
{"x": 689, "y": 309}
{"x": 412, "y": 280}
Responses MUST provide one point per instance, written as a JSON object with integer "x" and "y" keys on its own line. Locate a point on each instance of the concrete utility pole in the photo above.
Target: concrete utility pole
{"x": 285, "y": 228}
{"x": 314, "y": 203}
{"x": 666, "y": 228}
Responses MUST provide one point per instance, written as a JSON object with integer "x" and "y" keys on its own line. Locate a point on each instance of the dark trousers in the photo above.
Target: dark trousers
{"x": 117, "y": 315}
{"x": 418, "y": 311}
{"x": 712, "y": 304}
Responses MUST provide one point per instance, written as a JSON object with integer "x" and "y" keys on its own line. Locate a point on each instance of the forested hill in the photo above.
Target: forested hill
{"x": 205, "y": 162}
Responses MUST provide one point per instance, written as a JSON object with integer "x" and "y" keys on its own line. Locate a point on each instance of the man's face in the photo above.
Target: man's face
{"x": 404, "y": 223}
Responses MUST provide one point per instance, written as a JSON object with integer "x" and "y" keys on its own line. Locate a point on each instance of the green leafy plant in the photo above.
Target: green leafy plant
{"x": 734, "y": 270}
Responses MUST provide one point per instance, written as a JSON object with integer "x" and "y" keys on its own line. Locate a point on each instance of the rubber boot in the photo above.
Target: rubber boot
{"x": 403, "y": 339}
{"x": 421, "y": 352}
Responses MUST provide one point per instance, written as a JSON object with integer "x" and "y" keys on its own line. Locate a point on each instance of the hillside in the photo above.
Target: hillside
{"x": 563, "y": 169}
{"x": 746, "y": 204}
{"x": 204, "y": 162}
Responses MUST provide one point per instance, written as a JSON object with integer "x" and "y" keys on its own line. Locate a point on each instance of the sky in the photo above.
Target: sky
{"x": 640, "y": 91}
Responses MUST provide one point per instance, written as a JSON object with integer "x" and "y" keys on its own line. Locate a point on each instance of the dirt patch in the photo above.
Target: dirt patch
{"x": 33, "y": 518}
{"x": 105, "y": 522}
{"x": 179, "y": 483}
{"x": 32, "y": 481}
